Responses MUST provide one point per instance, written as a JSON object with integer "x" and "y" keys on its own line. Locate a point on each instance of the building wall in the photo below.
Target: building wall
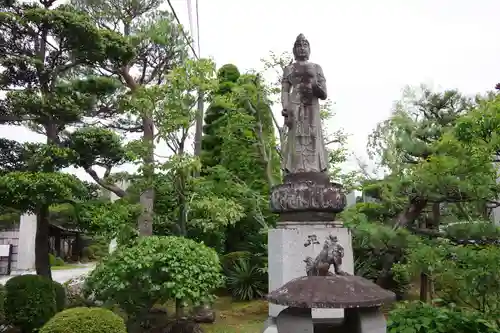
{"x": 10, "y": 236}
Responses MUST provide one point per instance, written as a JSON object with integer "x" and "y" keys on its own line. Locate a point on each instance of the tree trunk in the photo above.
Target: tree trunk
{"x": 181, "y": 201}
{"x": 410, "y": 213}
{"x": 179, "y": 309}
{"x": 198, "y": 135}
{"x": 424, "y": 287}
{"x": 42, "y": 264}
{"x": 145, "y": 220}
{"x": 406, "y": 217}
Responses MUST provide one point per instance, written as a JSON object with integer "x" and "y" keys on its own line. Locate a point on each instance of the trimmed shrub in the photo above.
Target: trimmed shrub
{"x": 85, "y": 320}
{"x": 29, "y": 301}
{"x": 153, "y": 271}
{"x": 52, "y": 260}
{"x": 87, "y": 253}
{"x": 55, "y": 261}
{"x": 98, "y": 251}
{"x": 60, "y": 295}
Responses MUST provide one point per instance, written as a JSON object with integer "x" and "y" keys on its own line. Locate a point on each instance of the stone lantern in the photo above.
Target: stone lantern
{"x": 360, "y": 298}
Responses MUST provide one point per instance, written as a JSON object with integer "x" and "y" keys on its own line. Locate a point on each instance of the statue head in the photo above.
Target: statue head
{"x": 301, "y": 48}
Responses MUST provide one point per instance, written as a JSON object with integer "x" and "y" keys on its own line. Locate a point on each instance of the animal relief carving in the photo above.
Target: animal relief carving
{"x": 331, "y": 254}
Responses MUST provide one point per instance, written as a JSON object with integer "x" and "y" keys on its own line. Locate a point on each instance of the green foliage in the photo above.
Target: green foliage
{"x": 45, "y": 49}
{"x": 85, "y": 320}
{"x": 30, "y": 301}
{"x": 239, "y": 139}
{"x": 154, "y": 270}
{"x": 88, "y": 253}
{"x": 175, "y": 112}
{"x": 55, "y": 261}
{"x": 229, "y": 259}
{"x": 52, "y": 260}
{"x": 464, "y": 275}
{"x": 214, "y": 202}
{"x": 228, "y": 73}
{"x": 60, "y": 294}
{"x": 417, "y": 317}
{"x": 425, "y": 161}
{"x": 481, "y": 125}
{"x": 110, "y": 219}
{"x": 475, "y": 231}
{"x": 26, "y": 191}
{"x": 245, "y": 280}
{"x": 96, "y": 146}
{"x": 374, "y": 244}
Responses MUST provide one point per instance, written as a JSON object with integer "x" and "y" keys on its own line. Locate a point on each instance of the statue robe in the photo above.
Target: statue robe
{"x": 305, "y": 149}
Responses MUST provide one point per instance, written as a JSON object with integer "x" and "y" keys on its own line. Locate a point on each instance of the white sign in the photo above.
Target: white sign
{"x": 5, "y": 250}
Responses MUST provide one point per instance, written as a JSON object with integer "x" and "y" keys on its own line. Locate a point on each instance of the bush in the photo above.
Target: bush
{"x": 52, "y": 260}
{"x": 85, "y": 320}
{"x": 88, "y": 253}
{"x": 155, "y": 270}
{"x": 372, "y": 243}
{"x": 74, "y": 291}
{"x": 228, "y": 260}
{"x": 99, "y": 251}
{"x": 245, "y": 280}
{"x": 29, "y": 301}
{"x": 418, "y": 317}
{"x": 60, "y": 294}
{"x": 55, "y": 261}
{"x": 60, "y": 262}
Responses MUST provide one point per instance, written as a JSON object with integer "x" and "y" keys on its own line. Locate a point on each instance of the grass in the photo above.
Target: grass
{"x": 238, "y": 317}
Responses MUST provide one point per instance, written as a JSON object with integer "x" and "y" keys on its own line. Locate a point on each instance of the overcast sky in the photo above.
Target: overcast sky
{"x": 369, "y": 50}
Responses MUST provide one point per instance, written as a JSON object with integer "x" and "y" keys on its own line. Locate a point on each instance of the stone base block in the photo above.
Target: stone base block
{"x": 367, "y": 320}
{"x": 294, "y": 320}
{"x": 288, "y": 247}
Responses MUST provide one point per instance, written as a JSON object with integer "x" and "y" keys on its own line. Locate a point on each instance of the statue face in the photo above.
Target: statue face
{"x": 302, "y": 50}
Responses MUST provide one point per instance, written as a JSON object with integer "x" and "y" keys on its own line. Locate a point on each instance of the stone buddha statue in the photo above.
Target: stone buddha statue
{"x": 302, "y": 86}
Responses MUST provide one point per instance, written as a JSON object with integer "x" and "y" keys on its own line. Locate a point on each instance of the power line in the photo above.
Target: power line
{"x": 190, "y": 18}
{"x": 182, "y": 30}
{"x": 198, "y": 28}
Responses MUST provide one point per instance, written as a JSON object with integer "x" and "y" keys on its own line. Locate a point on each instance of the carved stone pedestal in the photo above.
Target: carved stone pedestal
{"x": 307, "y": 204}
{"x": 307, "y": 197}
{"x": 288, "y": 247}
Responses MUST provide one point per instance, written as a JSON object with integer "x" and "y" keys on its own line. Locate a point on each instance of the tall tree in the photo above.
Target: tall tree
{"x": 39, "y": 46}
{"x": 426, "y": 164}
{"x": 160, "y": 45}
{"x": 239, "y": 137}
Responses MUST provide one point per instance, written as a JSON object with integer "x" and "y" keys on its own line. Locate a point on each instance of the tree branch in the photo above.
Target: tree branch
{"x": 110, "y": 187}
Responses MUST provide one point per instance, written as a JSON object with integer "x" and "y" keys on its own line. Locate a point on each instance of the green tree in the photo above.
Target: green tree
{"x": 425, "y": 161}
{"x": 427, "y": 166}
{"x": 198, "y": 204}
{"x": 40, "y": 46}
{"x": 227, "y": 77}
{"x": 160, "y": 45}
{"x": 239, "y": 137}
